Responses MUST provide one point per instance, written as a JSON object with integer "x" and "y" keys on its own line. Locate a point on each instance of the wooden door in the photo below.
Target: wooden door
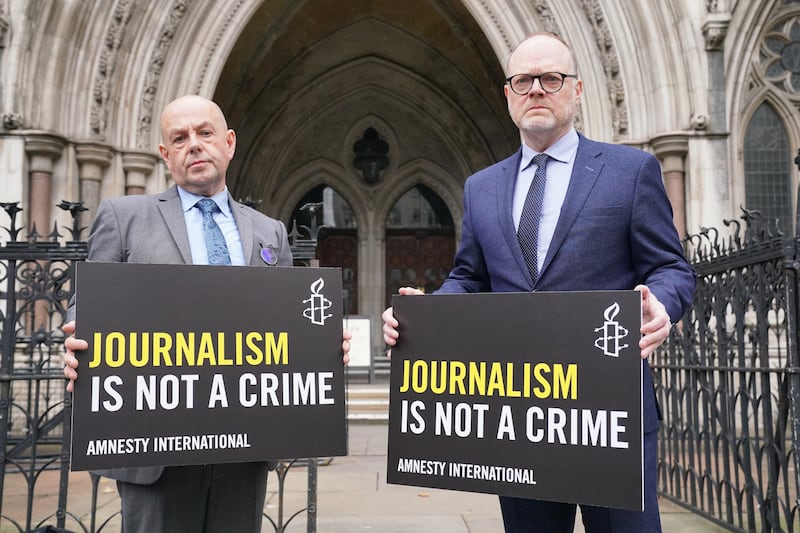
{"x": 420, "y": 258}
{"x": 339, "y": 248}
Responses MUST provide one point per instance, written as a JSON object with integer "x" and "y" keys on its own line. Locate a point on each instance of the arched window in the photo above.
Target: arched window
{"x": 419, "y": 208}
{"x": 331, "y": 210}
{"x": 767, "y": 167}
{"x": 420, "y": 242}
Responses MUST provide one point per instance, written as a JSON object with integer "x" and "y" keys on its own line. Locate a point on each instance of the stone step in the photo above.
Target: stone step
{"x": 368, "y": 403}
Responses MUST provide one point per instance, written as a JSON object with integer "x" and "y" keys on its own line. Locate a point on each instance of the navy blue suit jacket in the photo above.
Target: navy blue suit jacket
{"x": 615, "y": 231}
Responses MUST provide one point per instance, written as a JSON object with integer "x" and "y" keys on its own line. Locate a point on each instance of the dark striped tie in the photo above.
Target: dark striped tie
{"x": 528, "y": 231}
{"x": 215, "y": 242}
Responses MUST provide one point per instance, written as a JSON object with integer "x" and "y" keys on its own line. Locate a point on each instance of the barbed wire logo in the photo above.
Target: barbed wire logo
{"x": 317, "y": 304}
{"x": 613, "y": 333}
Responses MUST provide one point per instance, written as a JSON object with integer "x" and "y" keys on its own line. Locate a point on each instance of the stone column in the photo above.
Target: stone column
{"x": 42, "y": 150}
{"x": 672, "y": 150}
{"x": 92, "y": 158}
{"x": 137, "y": 166}
{"x": 372, "y": 279}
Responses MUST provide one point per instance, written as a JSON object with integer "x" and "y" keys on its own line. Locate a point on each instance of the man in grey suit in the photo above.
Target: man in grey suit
{"x": 603, "y": 222}
{"x": 167, "y": 228}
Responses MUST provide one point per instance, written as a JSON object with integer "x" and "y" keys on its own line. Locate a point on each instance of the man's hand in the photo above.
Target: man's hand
{"x": 72, "y": 345}
{"x": 655, "y": 322}
{"x": 390, "y": 334}
{"x": 346, "y": 338}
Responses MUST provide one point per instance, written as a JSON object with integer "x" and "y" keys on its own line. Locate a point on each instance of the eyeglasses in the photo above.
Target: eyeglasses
{"x": 550, "y": 82}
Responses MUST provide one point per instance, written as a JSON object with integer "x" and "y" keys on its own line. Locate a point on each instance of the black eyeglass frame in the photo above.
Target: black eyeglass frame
{"x": 534, "y": 78}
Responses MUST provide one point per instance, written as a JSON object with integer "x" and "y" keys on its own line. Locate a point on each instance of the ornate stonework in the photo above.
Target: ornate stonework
{"x": 106, "y": 66}
{"x": 12, "y": 121}
{"x": 166, "y": 36}
{"x": 608, "y": 54}
{"x": 779, "y": 56}
{"x": 232, "y": 10}
{"x": 496, "y": 24}
{"x": 3, "y": 30}
{"x": 715, "y": 29}
{"x": 546, "y": 16}
{"x": 549, "y": 23}
{"x": 3, "y": 23}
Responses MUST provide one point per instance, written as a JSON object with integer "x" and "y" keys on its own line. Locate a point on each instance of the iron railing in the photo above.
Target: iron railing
{"x": 35, "y": 410}
{"x": 727, "y": 382}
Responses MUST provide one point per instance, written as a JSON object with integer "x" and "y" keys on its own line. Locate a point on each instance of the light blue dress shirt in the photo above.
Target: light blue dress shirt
{"x": 223, "y": 218}
{"x": 559, "y": 171}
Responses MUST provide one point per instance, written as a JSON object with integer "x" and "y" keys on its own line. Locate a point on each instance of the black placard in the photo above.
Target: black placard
{"x": 207, "y": 364}
{"x": 534, "y": 395}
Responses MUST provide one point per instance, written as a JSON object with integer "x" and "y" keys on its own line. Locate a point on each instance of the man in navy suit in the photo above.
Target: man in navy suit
{"x": 605, "y": 223}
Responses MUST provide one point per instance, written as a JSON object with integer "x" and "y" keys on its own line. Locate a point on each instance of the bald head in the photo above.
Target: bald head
{"x": 190, "y": 104}
{"x": 535, "y": 40}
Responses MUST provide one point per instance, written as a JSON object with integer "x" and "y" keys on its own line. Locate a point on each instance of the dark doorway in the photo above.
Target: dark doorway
{"x": 420, "y": 242}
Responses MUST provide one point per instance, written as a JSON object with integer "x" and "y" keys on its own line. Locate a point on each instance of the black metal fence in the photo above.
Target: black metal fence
{"x": 36, "y": 487}
{"x": 728, "y": 382}
{"x": 35, "y": 276}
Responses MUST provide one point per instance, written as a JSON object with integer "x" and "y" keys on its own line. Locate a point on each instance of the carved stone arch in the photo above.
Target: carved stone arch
{"x": 191, "y": 51}
{"x": 447, "y": 122}
{"x": 55, "y": 84}
{"x": 785, "y": 109}
{"x": 651, "y": 65}
{"x": 748, "y": 88}
{"x": 313, "y": 174}
{"x": 506, "y": 22}
{"x": 147, "y": 57}
{"x": 742, "y": 47}
{"x": 504, "y": 30}
{"x": 757, "y": 87}
{"x": 149, "y": 39}
{"x": 421, "y": 172}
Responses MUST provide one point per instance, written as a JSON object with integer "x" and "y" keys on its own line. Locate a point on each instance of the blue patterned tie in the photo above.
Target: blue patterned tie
{"x": 215, "y": 242}
{"x": 528, "y": 231}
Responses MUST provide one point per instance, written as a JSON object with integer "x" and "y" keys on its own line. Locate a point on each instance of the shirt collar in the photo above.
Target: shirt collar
{"x": 562, "y": 150}
{"x": 188, "y": 200}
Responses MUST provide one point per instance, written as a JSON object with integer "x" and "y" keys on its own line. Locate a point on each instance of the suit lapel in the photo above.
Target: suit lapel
{"x": 505, "y": 194}
{"x": 585, "y": 171}
{"x": 169, "y": 204}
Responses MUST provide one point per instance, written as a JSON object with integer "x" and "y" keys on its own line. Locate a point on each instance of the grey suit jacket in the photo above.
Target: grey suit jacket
{"x": 152, "y": 229}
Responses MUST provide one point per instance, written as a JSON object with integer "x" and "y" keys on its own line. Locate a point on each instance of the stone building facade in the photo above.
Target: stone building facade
{"x": 378, "y": 110}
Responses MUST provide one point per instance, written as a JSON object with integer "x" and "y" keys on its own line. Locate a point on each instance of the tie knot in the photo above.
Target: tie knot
{"x": 541, "y": 160}
{"x": 207, "y": 205}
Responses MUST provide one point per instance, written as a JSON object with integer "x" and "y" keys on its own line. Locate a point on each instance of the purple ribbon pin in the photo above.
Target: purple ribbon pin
{"x": 268, "y": 255}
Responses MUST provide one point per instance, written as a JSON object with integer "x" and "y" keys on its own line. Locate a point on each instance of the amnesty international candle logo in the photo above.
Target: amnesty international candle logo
{"x": 612, "y": 333}
{"x": 186, "y": 365}
{"x": 317, "y": 304}
{"x": 504, "y": 393}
